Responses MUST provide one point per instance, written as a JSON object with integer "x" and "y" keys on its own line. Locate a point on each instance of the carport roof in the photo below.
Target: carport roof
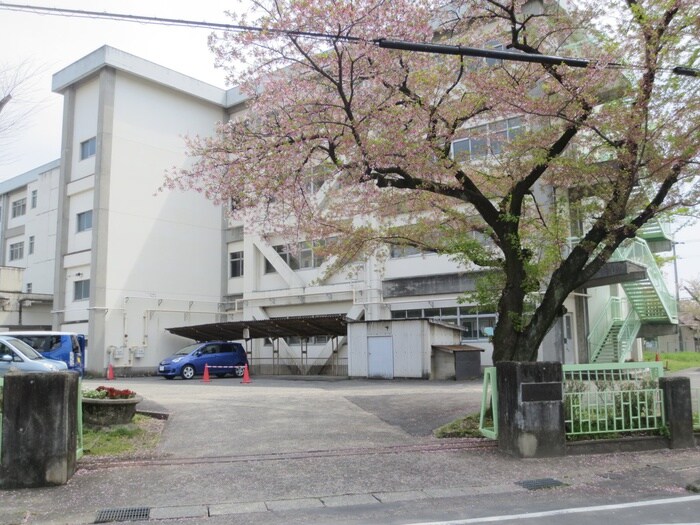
{"x": 306, "y": 326}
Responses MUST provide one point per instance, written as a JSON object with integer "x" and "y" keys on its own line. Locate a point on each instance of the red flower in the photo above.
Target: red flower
{"x": 115, "y": 393}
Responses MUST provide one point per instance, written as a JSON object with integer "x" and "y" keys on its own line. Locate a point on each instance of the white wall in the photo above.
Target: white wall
{"x": 42, "y": 224}
{"x": 164, "y": 252}
{"x": 84, "y": 127}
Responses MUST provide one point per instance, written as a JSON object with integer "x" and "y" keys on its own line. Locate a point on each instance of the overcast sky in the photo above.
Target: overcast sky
{"x": 49, "y": 43}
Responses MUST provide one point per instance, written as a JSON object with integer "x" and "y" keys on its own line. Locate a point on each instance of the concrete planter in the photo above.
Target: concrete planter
{"x": 107, "y": 412}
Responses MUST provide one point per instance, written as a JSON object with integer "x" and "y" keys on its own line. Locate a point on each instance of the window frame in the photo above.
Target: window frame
{"x": 236, "y": 265}
{"x": 30, "y": 245}
{"x": 16, "y": 251}
{"x": 19, "y": 208}
{"x": 81, "y": 221}
{"x": 82, "y": 286}
{"x": 487, "y": 139}
{"x": 88, "y": 148}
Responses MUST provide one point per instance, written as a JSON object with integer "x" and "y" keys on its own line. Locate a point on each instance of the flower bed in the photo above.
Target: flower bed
{"x": 107, "y": 406}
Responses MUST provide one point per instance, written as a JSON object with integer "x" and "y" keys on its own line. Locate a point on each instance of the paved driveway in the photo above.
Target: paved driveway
{"x": 225, "y": 417}
{"x": 344, "y": 451}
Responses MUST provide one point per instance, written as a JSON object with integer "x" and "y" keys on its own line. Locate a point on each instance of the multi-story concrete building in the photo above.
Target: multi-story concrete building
{"x": 125, "y": 261}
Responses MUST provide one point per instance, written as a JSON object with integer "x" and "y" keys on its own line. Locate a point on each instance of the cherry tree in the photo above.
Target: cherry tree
{"x": 490, "y": 161}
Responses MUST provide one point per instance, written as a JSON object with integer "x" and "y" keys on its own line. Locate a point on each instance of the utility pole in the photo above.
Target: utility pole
{"x": 678, "y": 298}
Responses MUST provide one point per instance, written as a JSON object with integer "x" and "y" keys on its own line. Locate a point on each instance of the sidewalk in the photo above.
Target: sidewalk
{"x": 281, "y": 446}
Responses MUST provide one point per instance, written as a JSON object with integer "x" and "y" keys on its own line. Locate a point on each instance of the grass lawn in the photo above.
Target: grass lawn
{"x": 139, "y": 438}
{"x": 674, "y": 361}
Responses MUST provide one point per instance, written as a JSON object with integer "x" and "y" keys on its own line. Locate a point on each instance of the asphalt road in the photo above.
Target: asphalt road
{"x": 349, "y": 452}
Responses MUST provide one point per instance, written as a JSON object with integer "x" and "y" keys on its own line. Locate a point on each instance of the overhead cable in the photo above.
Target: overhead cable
{"x": 381, "y": 42}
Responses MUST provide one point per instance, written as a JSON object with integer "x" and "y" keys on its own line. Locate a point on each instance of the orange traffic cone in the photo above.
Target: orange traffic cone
{"x": 206, "y": 374}
{"x": 110, "y": 372}
{"x": 246, "y": 376}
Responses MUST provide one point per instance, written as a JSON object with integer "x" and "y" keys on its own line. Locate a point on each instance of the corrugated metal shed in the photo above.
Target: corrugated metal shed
{"x": 306, "y": 326}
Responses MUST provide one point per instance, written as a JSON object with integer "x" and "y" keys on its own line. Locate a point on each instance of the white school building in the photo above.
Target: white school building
{"x": 89, "y": 245}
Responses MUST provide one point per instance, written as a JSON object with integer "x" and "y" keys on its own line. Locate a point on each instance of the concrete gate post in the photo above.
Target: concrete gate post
{"x": 39, "y": 429}
{"x": 679, "y": 411}
{"x": 531, "y": 409}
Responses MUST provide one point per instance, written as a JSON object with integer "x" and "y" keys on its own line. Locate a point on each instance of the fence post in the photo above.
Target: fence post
{"x": 678, "y": 410}
{"x": 39, "y": 430}
{"x": 531, "y": 409}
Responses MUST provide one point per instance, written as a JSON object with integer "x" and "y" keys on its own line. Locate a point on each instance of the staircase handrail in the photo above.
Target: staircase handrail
{"x": 656, "y": 224}
{"x": 637, "y": 251}
{"x": 627, "y": 334}
{"x": 612, "y": 311}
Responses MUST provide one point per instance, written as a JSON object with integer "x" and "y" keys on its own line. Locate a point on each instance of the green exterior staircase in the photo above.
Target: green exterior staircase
{"x": 647, "y": 301}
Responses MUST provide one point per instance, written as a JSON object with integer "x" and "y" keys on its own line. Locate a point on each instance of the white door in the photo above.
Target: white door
{"x": 380, "y": 357}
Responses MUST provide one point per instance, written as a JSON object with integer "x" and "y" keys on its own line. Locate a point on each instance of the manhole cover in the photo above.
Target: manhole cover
{"x": 544, "y": 483}
{"x": 124, "y": 514}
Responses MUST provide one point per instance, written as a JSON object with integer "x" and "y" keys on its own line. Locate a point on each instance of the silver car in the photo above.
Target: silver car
{"x": 18, "y": 355}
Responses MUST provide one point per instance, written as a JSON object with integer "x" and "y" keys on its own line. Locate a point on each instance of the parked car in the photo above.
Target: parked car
{"x": 15, "y": 354}
{"x": 222, "y": 357}
{"x": 61, "y": 346}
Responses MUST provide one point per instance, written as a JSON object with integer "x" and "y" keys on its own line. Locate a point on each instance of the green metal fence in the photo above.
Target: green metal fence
{"x": 598, "y": 398}
{"x": 488, "y": 419}
{"x": 593, "y": 372}
{"x": 79, "y": 438}
{"x": 695, "y": 400}
{"x": 618, "y": 410}
{"x": 2, "y": 384}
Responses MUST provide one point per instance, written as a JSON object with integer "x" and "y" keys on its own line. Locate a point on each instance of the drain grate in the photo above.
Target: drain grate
{"x": 544, "y": 483}
{"x": 123, "y": 514}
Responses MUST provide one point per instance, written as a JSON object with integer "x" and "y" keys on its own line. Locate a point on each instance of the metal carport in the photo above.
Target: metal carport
{"x": 333, "y": 325}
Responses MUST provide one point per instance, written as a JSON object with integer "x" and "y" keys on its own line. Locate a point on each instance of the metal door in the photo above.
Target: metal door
{"x": 380, "y": 357}
{"x": 569, "y": 346}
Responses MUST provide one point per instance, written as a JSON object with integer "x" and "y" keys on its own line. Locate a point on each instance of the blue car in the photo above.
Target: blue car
{"x": 222, "y": 357}
{"x": 60, "y": 346}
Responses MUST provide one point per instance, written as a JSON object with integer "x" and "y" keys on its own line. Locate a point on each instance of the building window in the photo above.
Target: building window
{"x": 85, "y": 221}
{"x": 236, "y": 264}
{"x": 16, "y": 251}
{"x": 397, "y": 251}
{"x": 35, "y": 197}
{"x": 29, "y": 287}
{"x": 496, "y": 46}
{"x": 477, "y": 325}
{"x": 30, "y": 248}
{"x": 19, "y": 208}
{"x": 303, "y": 256}
{"x": 81, "y": 290}
{"x": 88, "y": 148}
{"x": 487, "y": 139}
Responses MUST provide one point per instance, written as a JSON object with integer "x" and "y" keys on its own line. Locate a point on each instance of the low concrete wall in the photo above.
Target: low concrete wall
{"x": 39, "y": 429}
{"x": 531, "y": 409}
{"x": 679, "y": 411}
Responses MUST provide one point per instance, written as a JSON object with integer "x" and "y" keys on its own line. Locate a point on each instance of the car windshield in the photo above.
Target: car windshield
{"x": 187, "y": 350}
{"x": 24, "y": 348}
{"x": 42, "y": 343}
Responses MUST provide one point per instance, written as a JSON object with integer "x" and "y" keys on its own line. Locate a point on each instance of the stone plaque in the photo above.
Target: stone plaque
{"x": 541, "y": 392}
